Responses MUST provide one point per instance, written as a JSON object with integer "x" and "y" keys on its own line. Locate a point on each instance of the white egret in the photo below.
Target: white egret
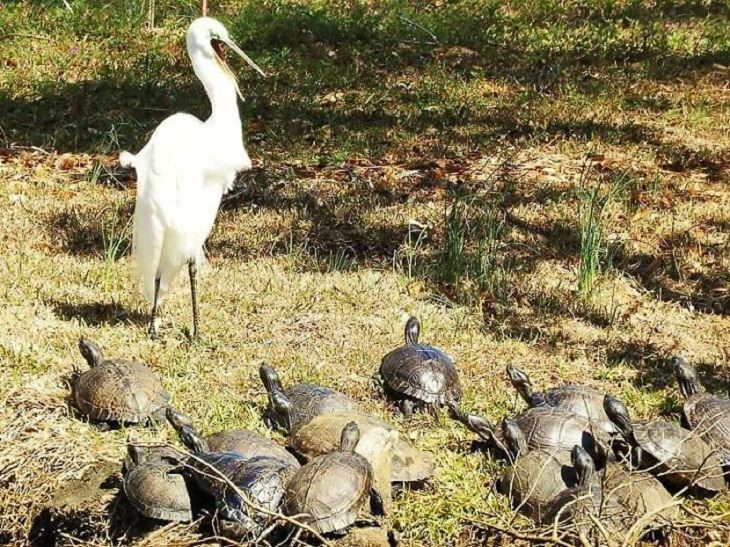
{"x": 183, "y": 171}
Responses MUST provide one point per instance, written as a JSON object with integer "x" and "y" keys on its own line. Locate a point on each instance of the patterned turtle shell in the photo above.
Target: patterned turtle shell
{"x": 114, "y": 390}
{"x": 420, "y": 371}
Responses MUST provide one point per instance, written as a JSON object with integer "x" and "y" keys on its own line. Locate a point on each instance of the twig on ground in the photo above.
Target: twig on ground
{"x": 516, "y": 534}
{"x": 434, "y": 39}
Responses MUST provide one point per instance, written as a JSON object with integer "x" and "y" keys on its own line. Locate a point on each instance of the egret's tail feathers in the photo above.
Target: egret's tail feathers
{"x": 126, "y": 159}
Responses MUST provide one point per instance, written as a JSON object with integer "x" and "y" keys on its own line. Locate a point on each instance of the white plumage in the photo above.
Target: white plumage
{"x": 184, "y": 170}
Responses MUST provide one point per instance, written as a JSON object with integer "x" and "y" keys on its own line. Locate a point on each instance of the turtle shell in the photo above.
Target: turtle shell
{"x": 157, "y": 492}
{"x": 580, "y": 507}
{"x": 161, "y": 453}
{"x": 535, "y": 480}
{"x": 310, "y": 400}
{"x": 709, "y": 416}
{"x": 640, "y": 493}
{"x": 119, "y": 391}
{"x": 262, "y": 478}
{"x": 249, "y": 444}
{"x": 422, "y": 372}
{"x": 582, "y": 401}
{"x": 331, "y": 490}
{"x": 680, "y": 457}
{"x": 321, "y": 435}
{"x": 549, "y": 428}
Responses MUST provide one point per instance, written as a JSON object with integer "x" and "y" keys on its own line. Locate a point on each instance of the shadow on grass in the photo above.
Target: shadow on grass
{"x": 93, "y": 230}
{"x": 97, "y": 314}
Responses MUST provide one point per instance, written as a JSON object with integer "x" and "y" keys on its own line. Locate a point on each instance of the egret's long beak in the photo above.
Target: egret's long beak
{"x": 245, "y": 57}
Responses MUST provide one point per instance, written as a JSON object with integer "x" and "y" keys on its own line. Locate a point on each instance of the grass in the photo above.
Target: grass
{"x": 410, "y": 158}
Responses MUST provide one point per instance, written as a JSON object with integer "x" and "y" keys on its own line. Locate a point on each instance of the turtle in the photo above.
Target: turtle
{"x": 705, "y": 413}
{"x": 299, "y": 404}
{"x": 321, "y": 435}
{"x": 580, "y": 400}
{"x": 152, "y": 453}
{"x": 419, "y": 375}
{"x": 536, "y": 477}
{"x": 156, "y": 487}
{"x": 641, "y": 494}
{"x": 332, "y": 490}
{"x": 115, "y": 391}
{"x": 556, "y": 429}
{"x": 545, "y": 428}
{"x": 243, "y": 441}
{"x": 262, "y": 479}
{"x": 585, "y": 503}
{"x": 679, "y": 457}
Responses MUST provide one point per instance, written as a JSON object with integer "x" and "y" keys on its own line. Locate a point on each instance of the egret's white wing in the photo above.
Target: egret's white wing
{"x": 170, "y": 178}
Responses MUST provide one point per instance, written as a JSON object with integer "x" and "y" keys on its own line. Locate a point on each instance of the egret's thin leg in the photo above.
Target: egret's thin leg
{"x": 152, "y": 331}
{"x": 193, "y": 270}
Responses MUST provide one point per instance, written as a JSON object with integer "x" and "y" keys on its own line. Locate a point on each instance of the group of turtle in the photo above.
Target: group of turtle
{"x": 578, "y": 459}
{"x": 575, "y": 454}
{"x": 339, "y": 467}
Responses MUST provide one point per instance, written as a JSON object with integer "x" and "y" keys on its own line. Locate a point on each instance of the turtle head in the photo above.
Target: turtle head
{"x": 91, "y": 352}
{"x": 686, "y": 374}
{"x": 177, "y": 419}
{"x": 349, "y": 437}
{"x": 514, "y": 439}
{"x": 135, "y": 454}
{"x": 270, "y": 378}
{"x": 521, "y": 382}
{"x": 189, "y": 436}
{"x": 583, "y": 464}
{"x": 619, "y": 415}
{"x": 412, "y": 331}
{"x": 476, "y": 424}
{"x": 282, "y": 407}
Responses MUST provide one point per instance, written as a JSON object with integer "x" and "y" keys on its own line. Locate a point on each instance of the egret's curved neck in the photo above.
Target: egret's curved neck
{"x": 221, "y": 91}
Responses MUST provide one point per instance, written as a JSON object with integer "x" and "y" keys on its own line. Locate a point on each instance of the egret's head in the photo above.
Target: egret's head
{"x": 209, "y": 38}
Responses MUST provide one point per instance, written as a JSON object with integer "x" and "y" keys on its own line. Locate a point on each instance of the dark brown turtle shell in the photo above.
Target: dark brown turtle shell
{"x": 535, "y": 480}
{"x": 310, "y": 400}
{"x": 118, "y": 391}
{"x": 156, "y": 488}
{"x": 420, "y": 371}
{"x": 262, "y": 478}
{"x": 303, "y": 401}
{"x": 679, "y": 456}
{"x": 249, "y": 444}
{"x": 321, "y": 435}
{"x": 707, "y": 414}
{"x": 580, "y": 506}
{"x": 580, "y": 400}
{"x": 641, "y": 494}
{"x": 549, "y": 428}
{"x": 331, "y": 490}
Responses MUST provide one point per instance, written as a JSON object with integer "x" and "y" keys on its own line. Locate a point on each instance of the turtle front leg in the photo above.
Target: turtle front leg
{"x": 236, "y": 522}
{"x": 406, "y": 407}
{"x": 433, "y": 410}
